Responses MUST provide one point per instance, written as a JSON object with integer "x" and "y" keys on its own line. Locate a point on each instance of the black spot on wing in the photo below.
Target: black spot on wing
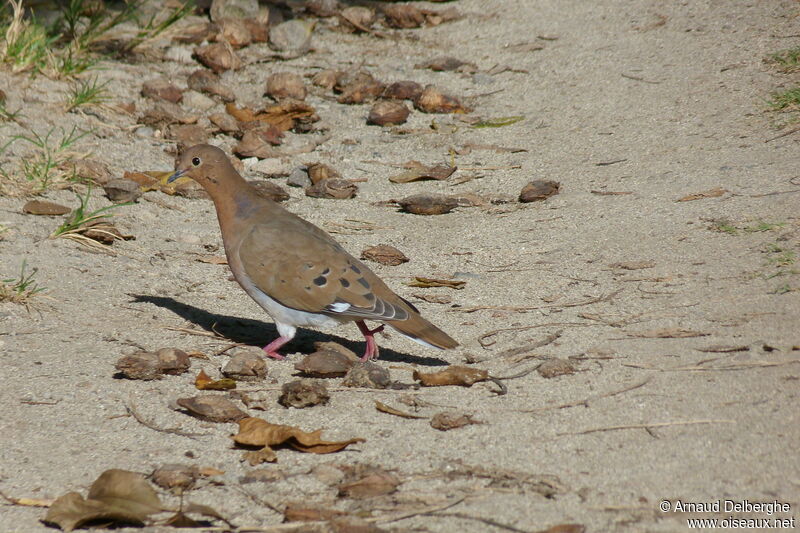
{"x": 355, "y": 269}
{"x": 344, "y": 282}
{"x": 320, "y": 281}
{"x": 369, "y": 297}
{"x": 364, "y": 283}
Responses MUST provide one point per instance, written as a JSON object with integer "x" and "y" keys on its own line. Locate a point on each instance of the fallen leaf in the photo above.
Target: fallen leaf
{"x": 338, "y": 189}
{"x": 303, "y": 393}
{"x": 373, "y": 482}
{"x": 206, "y": 81}
{"x": 419, "y": 171}
{"x": 382, "y": 407}
{"x": 43, "y": 207}
{"x": 432, "y": 100}
{"x": 212, "y": 408}
{"x": 282, "y": 85}
{"x": 717, "y": 348}
{"x": 162, "y": 113}
{"x": 565, "y": 528}
{"x": 555, "y": 367}
{"x": 633, "y": 265}
{"x": 668, "y": 333}
{"x": 452, "y": 420}
{"x": 428, "y": 204}
{"x": 204, "y": 382}
{"x": 452, "y": 375}
{"x": 117, "y": 497}
{"x": 539, "y": 190}
{"x": 305, "y": 512}
{"x": 259, "y": 432}
{"x": 403, "y": 90}
{"x": 384, "y": 254}
{"x": 148, "y": 181}
{"x": 711, "y": 193}
{"x": 162, "y": 88}
{"x": 431, "y": 282}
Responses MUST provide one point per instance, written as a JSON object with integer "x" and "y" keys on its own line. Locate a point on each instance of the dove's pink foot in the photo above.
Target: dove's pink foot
{"x": 372, "y": 347}
{"x": 271, "y": 349}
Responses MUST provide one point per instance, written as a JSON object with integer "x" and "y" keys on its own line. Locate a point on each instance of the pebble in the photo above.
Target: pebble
{"x": 198, "y": 101}
{"x": 145, "y": 131}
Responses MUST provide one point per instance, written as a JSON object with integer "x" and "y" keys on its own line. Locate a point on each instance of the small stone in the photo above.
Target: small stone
{"x": 367, "y": 375}
{"x": 388, "y": 113}
{"x": 304, "y": 393}
{"x": 262, "y": 475}
{"x": 403, "y": 90}
{"x": 235, "y": 32}
{"x": 282, "y": 85}
{"x": 163, "y": 89}
{"x": 207, "y": 82}
{"x": 240, "y": 9}
{"x": 212, "y": 408}
{"x": 539, "y": 190}
{"x": 432, "y": 100}
{"x": 555, "y": 367}
{"x": 196, "y": 100}
{"x": 428, "y": 204}
{"x": 173, "y": 361}
{"x": 225, "y": 122}
{"x": 197, "y": 33}
{"x": 219, "y": 57}
{"x": 145, "y": 132}
{"x": 357, "y": 18}
{"x": 179, "y": 54}
{"x": 292, "y": 36}
{"x": 122, "y": 191}
{"x": 259, "y": 31}
{"x": 451, "y": 420}
{"x": 403, "y": 16}
{"x": 322, "y": 8}
{"x": 246, "y": 365}
{"x": 328, "y": 78}
{"x": 188, "y": 135}
{"x": 320, "y": 171}
{"x": 272, "y": 167}
{"x": 299, "y": 178}
{"x": 163, "y": 113}
{"x": 141, "y": 365}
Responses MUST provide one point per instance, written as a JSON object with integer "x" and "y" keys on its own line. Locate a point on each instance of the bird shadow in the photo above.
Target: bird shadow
{"x": 257, "y": 333}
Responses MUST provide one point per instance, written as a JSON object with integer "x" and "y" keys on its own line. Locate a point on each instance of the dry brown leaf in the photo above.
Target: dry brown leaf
{"x": 212, "y": 408}
{"x": 711, "y": 193}
{"x": 162, "y": 88}
{"x": 373, "y": 482}
{"x": 43, "y": 207}
{"x": 388, "y": 113}
{"x": 432, "y": 100}
{"x": 305, "y": 512}
{"x": 117, "y": 496}
{"x": 403, "y": 90}
{"x": 452, "y": 420}
{"x": 282, "y": 85}
{"x": 431, "y": 282}
{"x": 555, "y": 367}
{"x": 668, "y": 333}
{"x": 204, "y": 382}
{"x": 384, "y": 254}
{"x": 219, "y": 57}
{"x": 452, "y": 375}
{"x": 337, "y": 189}
{"x": 259, "y": 432}
{"x": 427, "y": 204}
{"x": 286, "y": 114}
{"x": 148, "y": 181}
{"x": 205, "y": 81}
{"x": 418, "y": 171}
{"x": 382, "y": 407}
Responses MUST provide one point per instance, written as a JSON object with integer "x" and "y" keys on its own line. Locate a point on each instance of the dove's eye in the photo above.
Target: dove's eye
{"x": 196, "y": 161}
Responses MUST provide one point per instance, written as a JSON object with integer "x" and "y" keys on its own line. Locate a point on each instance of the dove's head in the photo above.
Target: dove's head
{"x": 205, "y": 164}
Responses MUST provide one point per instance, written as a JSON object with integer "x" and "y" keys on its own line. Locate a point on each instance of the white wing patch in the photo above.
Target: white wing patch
{"x": 339, "y": 307}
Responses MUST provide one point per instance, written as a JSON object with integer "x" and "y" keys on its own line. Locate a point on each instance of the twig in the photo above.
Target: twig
{"x": 609, "y": 163}
{"x": 502, "y": 167}
{"x": 487, "y": 521}
{"x": 483, "y": 342}
{"x": 773, "y": 193}
{"x": 651, "y": 425}
{"x": 784, "y": 134}
{"x": 161, "y": 203}
{"x": 173, "y": 431}
{"x": 409, "y": 514}
{"x": 637, "y": 78}
{"x": 585, "y": 401}
{"x": 746, "y": 365}
{"x": 511, "y": 352}
{"x": 590, "y": 301}
{"x": 27, "y": 502}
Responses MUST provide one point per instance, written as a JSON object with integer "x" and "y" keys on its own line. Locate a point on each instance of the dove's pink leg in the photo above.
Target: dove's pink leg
{"x": 372, "y": 347}
{"x": 272, "y": 348}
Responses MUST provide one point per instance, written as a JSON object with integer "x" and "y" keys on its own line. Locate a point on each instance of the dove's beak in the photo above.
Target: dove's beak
{"x": 176, "y": 175}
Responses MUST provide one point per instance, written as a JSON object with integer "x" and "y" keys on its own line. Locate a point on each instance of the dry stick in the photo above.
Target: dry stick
{"x": 511, "y": 352}
{"x": 784, "y": 134}
{"x": 533, "y": 308}
{"x": 637, "y": 78}
{"x": 488, "y": 521}
{"x": 585, "y": 401}
{"x": 651, "y": 425}
{"x": 736, "y": 366}
{"x": 484, "y": 344}
{"x": 27, "y": 502}
{"x": 409, "y": 514}
{"x": 173, "y": 431}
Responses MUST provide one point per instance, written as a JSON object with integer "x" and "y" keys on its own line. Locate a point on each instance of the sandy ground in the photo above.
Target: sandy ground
{"x": 673, "y": 92}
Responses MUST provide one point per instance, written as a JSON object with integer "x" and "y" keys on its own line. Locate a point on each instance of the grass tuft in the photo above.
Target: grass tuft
{"x": 785, "y": 101}
{"x": 786, "y": 60}
{"x": 86, "y": 92}
{"x": 41, "y": 170}
{"x": 20, "y": 290}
